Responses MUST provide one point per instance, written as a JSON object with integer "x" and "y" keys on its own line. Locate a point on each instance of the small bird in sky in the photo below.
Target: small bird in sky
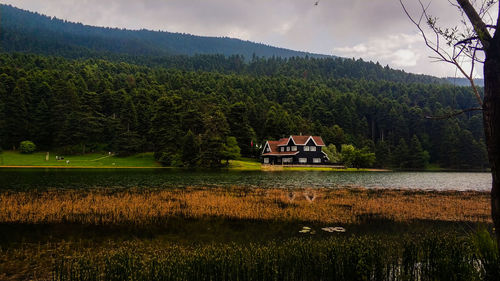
{"x": 316, "y": 3}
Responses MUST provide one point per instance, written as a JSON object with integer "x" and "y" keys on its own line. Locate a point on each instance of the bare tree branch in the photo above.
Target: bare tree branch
{"x": 466, "y": 40}
{"x": 443, "y": 55}
{"x": 422, "y": 32}
{"x": 454, "y": 113}
{"x": 473, "y": 60}
{"x": 478, "y": 24}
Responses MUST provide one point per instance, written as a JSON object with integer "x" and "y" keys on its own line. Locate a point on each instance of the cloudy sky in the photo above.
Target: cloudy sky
{"x": 376, "y": 30}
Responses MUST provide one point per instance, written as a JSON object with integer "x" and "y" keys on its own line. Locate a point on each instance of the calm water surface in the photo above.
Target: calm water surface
{"x": 26, "y": 179}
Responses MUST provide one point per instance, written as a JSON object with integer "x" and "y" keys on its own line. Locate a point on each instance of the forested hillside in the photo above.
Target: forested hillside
{"x": 25, "y": 31}
{"x": 464, "y": 82}
{"x": 184, "y": 116}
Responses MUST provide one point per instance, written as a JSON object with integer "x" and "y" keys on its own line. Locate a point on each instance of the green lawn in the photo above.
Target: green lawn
{"x": 100, "y": 160}
{"x": 324, "y": 169}
{"x": 143, "y": 160}
{"x": 14, "y": 158}
{"x": 247, "y": 164}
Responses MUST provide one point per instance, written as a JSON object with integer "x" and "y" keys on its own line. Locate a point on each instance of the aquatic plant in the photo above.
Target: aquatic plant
{"x": 433, "y": 257}
{"x": 153, "y": 206}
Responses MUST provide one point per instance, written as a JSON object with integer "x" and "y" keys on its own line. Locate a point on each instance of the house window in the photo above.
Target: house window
{"x": 266, "y": 160}
{"x": 287, "y": 148}
{"x": 267, "y": 149}
{"x": 306, "y": 148}
{"x": 282, "y": 149}
{"x": 313, "y": 148}
{"x": 316, "y": 160}
{"x": 287, "y": 160}
{"x": 294, "y": 148}
{"x": 303, "y": 160}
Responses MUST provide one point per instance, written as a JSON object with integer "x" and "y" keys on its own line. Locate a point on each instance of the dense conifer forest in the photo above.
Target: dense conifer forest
{"x": 31, "y": 32}
{"x": 197, "y": 117}
{"x": 199, "y": 100}
{"x": 23, "y": 31}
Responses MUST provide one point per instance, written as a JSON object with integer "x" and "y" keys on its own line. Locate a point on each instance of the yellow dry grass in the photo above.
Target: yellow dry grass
{"x": 142, "y": 207}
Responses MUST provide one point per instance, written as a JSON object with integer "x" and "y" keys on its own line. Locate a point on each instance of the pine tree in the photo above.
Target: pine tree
{"x": 383, "y": 154}
{"x": 128, "y": 114}
{"x": 16, "y": 126}
{"x": 166, "y": 129}
{"x": 240, "y": 127}
{"x": 213, "y": 140}
{"x": 128, "y": 143}
{"x": 190, "y": 150}
{"x": 230, "y": 149}
{"x": 400, "y": 155}
{"x": 66, "y": 117}
{"x": 42, "y": 125}
{"x": 418, "y": 158}
{"x": 448, "y": 150}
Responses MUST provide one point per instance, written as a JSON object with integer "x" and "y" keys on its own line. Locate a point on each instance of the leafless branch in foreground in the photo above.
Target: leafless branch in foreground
{"x": 454, "y": 113}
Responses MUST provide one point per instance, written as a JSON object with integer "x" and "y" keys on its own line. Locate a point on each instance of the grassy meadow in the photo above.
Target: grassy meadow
{"x": 97, "y": 160}
{"x": 141, "y": 160}
{"x": 244, "y": 234}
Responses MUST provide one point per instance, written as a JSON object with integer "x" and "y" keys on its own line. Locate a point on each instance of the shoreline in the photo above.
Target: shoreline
{"x": 263, "y": 169}
{"x": 81, "y": 167}
{"x": 243, "y": 169}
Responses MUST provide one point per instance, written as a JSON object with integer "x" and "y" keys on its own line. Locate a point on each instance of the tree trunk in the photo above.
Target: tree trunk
{"x": 491, "y": 118}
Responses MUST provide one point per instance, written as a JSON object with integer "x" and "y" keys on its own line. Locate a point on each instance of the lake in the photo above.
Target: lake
{"x": 36, "y": 178}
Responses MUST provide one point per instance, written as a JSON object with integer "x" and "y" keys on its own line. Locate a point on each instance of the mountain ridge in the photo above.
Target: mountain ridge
{"x": 82, "y": 38}
{"x": 31, "y": 32}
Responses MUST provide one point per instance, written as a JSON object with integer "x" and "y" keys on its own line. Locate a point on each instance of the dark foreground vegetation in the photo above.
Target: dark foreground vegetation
{"x": 245, "y": 234}
{"x": 441, "y": 257}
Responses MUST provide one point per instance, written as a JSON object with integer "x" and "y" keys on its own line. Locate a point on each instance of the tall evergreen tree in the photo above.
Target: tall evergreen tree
{"x": 128, "y": 143}
{"x": 240, "y": 127}
{"x": 400, "y": 155}
{"x": 190, "y": 150}
{"x": 16, "y": 123}
{"x": 128, "y": 114}
{"x": 418, "y": 158}
{"x": 383, "y": 154}
{"x": 230, "y": 149}
{"x": 42, "y": 125}
{"x": 166, "y": 129}
{"x": 213, "y": 140}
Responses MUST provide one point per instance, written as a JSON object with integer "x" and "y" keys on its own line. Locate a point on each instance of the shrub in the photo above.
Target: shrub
{"x": 27, "y": 147}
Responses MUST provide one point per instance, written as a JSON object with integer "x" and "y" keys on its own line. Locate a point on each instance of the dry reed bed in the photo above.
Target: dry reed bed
{"x": 152, "y": 206}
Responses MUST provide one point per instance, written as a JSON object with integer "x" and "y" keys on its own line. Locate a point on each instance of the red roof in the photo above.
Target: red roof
{"x": 273, "y": 145}
{"x": 281, "y": 153}
{"x": 302, "y": 140}
{"x": 298, "y": 140}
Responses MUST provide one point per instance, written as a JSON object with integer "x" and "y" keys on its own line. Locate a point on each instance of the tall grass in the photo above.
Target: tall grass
{"x": 443, "y": 257}
{"x": 149, "y": 206}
